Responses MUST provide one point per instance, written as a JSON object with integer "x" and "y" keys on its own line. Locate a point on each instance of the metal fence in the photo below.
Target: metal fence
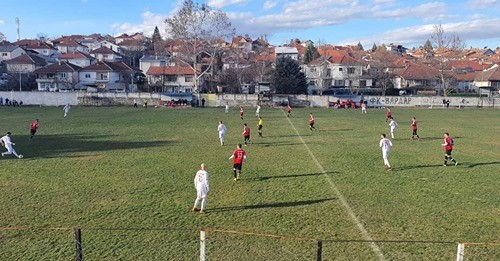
{"x": 25, "y": 243}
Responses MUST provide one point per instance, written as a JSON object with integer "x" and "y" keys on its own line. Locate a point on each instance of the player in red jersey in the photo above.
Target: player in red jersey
{"x": 448, "y": 146}
{"x": 288, "y": 110}
{"x": 388, "y": 114}
{"x": 246, "y": 134}
{"x": 238, "y": 156}
{"x": 311, "y": 122}
{"x": 33, "y": 127}
{"x": 241, "y": 112}
{"x": 414, "y": 128}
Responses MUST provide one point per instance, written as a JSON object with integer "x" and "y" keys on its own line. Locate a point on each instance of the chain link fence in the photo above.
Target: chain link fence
{"x": 214, "y": 244}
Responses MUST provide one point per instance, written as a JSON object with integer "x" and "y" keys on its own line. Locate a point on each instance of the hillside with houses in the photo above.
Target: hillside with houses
{"x": 131, "y": 63}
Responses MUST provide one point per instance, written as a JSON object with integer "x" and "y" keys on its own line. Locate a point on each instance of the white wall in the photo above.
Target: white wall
{"x": 42, "y": 98}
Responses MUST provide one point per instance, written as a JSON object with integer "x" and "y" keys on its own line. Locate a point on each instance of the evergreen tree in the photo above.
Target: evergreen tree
{"x": 310, "y": 54}
{"x": 374, "y": 47}
{"x": 287, "y": 77}
{"x": 428, "y": 46}
{"x": 360, "y": 47}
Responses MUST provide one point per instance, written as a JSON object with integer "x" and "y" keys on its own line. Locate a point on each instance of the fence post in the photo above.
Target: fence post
{"x": 78, "y": 240}
{"x": 202, "y": 245}
{"x": 320, "y": 250}
{"x": 460, "y": 252}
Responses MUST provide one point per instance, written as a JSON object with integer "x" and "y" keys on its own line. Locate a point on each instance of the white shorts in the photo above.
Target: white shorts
{"x": 385, "y": 154}
{"x": 201, "y": 192}
{"x": 221, "y": 135}
{"x": 392, "y": 129}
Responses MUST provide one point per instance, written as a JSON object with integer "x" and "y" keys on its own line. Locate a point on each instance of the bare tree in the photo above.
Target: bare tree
{"x": 449, "y": 47}
{"x": 196, "y": 28}
{"x": 3, "y": 37}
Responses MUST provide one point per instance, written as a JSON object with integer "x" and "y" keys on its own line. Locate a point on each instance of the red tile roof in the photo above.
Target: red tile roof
{"x": 27, "y": 59}
{"x": 104, "y": 66}
{"x": 58, "y": 67}
{"x": 492, "y": 74}
{"x": 170, "y": 70}
{"x": 416, "y": 71}
{"x": 75, "y": 55}
{"x": 464, "y": 64}
{"x": 131, "y": 42}
{"x": 33, "y": 44}
{"x": 103, "y": 50}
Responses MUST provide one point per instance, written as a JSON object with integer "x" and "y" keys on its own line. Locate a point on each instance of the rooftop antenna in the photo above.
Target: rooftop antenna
{"x": 17, "y": 27}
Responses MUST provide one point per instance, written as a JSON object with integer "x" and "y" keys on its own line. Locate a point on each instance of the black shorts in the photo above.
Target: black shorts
{"x": 247, "y": 138}
{"x": 237, "y": 166}
{"x": 33, "y": 132}
{"x": 260, "y": 127}
{"x": 311, "y": 124}
{"x": 448, "y": 152}
{"x": 415, "y": 132}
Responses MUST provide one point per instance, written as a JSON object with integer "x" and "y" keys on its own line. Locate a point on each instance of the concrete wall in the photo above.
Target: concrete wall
{"x": 235, "y": 100}
{"x": 42, "y": 98}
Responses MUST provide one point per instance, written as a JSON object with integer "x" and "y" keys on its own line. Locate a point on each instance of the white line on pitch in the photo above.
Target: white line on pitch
{"x": 341, "y": 197}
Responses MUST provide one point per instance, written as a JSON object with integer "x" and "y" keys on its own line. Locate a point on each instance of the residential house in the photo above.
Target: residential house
{"x": 25, "y": 63}
{"x": 106, "y": 76}
{"x": 396, "y": 48}
{"x": 8, "y": 52}
{"x": 71, "y": 46}
{"x": 114, "y": 47}
{"x": 415, "y": 78}
{"x": 339, "y": 71}
{"x": 243, "y": 43}
{"x": 125, "y": 37}
{"x": 463, "y": 73}
{"x": 176, "y": 79}
{"x": 488, "y": 80}
{"x": 147, "y": 61}
{"x": 37, "y": 46}
{"x": 77, "y": 58}
{"x": 103, "y": 53}
{"x": 62, "y": 76}
{"x": 282, "y": 51}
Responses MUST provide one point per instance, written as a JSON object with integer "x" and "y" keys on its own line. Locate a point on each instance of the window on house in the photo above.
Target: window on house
{"x": 50, "y": 75}
{"x": 340, "y": 69}
{"x": 87, "y": 75}
{"x": 4, "y": 54}
{"x": 170, "y": 78}
{"x": 312, "y": 83}
{"x": 104, "y": 56}
{"x": 351, "y": 70}
{"x": 102, "y": 76}
{"x": 63, "y": 75}
{"x": 362, "y": 83}
{"x": 188, "y": 79}
{"x": 313, "y": 69}
{"x": 328, "y": 72}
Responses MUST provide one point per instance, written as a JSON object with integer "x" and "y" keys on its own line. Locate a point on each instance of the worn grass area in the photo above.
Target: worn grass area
{"x": 134, "y": 168}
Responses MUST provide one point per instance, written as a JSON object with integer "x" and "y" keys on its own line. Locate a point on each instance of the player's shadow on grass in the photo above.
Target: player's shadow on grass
{"x": 417, "y": 167}
{"x": 49, "y": 146}
{"x": 294, "y": 176}
{"x": 277, "y": 144}
{"x": 472, "y": 165}
{"x": 272, "y": 205}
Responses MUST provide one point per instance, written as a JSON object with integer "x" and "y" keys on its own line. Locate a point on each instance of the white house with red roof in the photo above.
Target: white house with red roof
{"x": 175, "y": 79}
{"x": 103, "y": 53}
{"x": 25, "y": 63}
{"x": 77, "y": 58}
{"x": 61, "y": 76}
{"x": 38, "y": 46}
{"x": 71, "y": 46}
{"x": 109, "y": 76}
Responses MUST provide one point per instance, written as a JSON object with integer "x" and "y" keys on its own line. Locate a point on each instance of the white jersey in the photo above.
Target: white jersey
{"x": 385, "y": 144}
{"x": 221, "y": 128}
{"x": 67, "y": 107}
{"x": 393, "y": 124}
{"x": 6, "y": 141}
{"x": 201, "y": 183}
{"x": 258, "y": 109}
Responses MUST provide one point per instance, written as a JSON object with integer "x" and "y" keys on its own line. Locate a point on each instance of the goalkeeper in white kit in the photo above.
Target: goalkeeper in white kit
{"x": 202, "y": 189}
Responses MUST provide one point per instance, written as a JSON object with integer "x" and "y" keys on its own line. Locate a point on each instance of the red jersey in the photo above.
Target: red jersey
{"x": 449, "y": 143}
{"x": 246, "y": 131}
{"x": 414, "y": 124}
{"x": 388, "y": 112}
{"x": 34, "y": 125}
{"x": 239, "y": 155}
{"x": 241, "y": 111}
{"x": 311, "y": 119}
{"x": 288, "y": 109}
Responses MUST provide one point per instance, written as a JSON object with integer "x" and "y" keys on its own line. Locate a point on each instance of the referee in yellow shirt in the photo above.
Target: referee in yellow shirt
{"x": 260, "y": 126}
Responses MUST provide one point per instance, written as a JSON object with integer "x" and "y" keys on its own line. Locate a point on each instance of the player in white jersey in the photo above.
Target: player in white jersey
{"x": 7, "y": 143}
{"x": 222, "y": 132}
{"x": 227, "y": 108}
{"x": 393, "y": 125}
{"x": 202, "y": 189}
{"x": 363, "y": 107}
{"x": 386, "y": 145}
{"x": 66, "y": 109}
{"x": 257, "y": 111}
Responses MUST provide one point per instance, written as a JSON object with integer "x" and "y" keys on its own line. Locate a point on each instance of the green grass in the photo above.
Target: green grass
{"x": 134, "y": 168}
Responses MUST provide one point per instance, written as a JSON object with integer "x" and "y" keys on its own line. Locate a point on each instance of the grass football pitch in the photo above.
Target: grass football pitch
{"x": 125, "y": 176}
